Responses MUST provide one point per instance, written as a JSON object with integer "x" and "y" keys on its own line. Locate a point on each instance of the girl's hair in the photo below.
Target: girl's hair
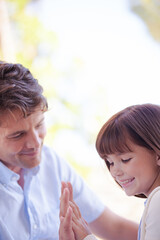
{"x": 20, "y": 90}
{"x": 139, "y": 123}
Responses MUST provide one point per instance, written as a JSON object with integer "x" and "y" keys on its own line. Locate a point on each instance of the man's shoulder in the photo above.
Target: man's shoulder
{"x": 49, "y": 153}
{"x": 50, "y": 156}
{"x": 53, "y": 163}
{"x": 47, "y": 150}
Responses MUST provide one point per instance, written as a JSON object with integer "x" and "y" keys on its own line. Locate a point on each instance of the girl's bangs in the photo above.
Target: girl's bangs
{"x": 113, "y": 140}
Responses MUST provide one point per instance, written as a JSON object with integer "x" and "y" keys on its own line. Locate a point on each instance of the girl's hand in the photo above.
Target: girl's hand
{"x": 80, "y": 226}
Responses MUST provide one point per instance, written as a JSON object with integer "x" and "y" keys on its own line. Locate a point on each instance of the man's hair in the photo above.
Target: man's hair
{"x": 138, "y": 123}
{"x": 19, "y": 90}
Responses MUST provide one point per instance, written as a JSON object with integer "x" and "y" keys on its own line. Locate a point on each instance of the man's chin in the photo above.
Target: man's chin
{"x": 31, "y": 163}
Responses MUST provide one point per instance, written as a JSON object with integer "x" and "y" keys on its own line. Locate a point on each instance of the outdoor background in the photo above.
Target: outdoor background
{"x": 93, "y": 58}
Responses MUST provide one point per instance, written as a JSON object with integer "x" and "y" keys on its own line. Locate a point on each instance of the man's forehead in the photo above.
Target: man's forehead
{"x": 9, "y": 118}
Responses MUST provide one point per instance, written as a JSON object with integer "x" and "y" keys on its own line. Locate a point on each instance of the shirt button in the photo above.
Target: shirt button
{"x": 4, "y": 184}
{"x": 14, "y": 178}
{"x": 35, "y": 226}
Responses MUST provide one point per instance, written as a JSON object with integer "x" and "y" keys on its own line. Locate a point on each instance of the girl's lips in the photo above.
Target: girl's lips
{"x": 126, "y": 182}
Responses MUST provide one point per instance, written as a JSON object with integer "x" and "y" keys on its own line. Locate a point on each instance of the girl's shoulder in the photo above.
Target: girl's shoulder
{"x": 152, "y": 205}
{"x": 154, "y": 195}
{"x": 151, "y": 217}
{"x": 154, "y": 199}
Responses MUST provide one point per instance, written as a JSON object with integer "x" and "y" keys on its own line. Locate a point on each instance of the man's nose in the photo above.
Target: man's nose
{"x": 33, "y": 140}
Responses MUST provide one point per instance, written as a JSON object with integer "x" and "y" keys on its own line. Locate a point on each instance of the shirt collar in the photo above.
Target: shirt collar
{"x": 32, "y": 171}
{"x": 6, "y": 175}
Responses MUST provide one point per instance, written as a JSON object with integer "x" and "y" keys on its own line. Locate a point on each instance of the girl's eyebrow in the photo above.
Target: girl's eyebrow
{"x": 118, "y": 154}
{"x": 125, "y": 153}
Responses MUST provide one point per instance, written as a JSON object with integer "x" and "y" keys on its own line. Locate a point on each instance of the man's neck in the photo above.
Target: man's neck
{"x": 21, "y": 179}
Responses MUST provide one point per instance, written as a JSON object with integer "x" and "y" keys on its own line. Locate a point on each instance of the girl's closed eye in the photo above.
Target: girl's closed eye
{"x": 126, "y": 160}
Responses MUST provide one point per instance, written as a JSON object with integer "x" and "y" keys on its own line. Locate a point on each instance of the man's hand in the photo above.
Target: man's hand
{"x": 65, "y": 229}
{"x": 72, "y": 225}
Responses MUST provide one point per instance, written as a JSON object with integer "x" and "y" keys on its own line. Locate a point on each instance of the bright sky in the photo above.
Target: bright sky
{"x": 114, "y": 44}
{"x": 119, "y": 57}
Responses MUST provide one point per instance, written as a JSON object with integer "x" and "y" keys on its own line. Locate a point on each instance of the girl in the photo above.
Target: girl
{"x": 129, "y": 143}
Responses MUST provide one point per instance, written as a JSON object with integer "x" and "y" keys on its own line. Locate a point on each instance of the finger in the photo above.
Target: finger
{"x": 63, "y": 186}
{"x": 71, "y": 197}
{"x": 64, "y": 202}
{"x": 81, "y": 222}
{"x": 79, "y": 213}
{"x": 85, "y": 222}
{"x": 69, "y": 185}
{"x": 68, "y": 218}
{"x": 75, "y": 209}
{"x": 65, "y": 229}
{"x": 66, "y": 223}
{"x": 80, "y": 229}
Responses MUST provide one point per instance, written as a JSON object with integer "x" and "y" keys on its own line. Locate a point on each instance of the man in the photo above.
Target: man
{"x": 31, "y": 174}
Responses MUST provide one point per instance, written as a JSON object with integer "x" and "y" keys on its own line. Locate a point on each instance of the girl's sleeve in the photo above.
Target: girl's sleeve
{"x": 153, "y": 218}
{"x": 90, "y": 237}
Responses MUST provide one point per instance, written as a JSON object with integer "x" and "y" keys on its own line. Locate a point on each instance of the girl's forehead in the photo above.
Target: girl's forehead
{"x": 118, "y": 154}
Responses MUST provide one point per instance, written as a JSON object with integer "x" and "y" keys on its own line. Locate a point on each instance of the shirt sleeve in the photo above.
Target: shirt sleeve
{"x": 90, "y": 205}
{"x": 153, "y": 218}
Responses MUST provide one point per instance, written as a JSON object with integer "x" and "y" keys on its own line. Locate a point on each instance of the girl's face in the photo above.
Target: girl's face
{"x": 137, "y": 171}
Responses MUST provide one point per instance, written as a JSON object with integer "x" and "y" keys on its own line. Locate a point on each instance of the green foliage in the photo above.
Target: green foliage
{"x": 19, "y": 4}
{"x": 84, "y": 171}
{"x": 149, "y": 11}
{"x": 31, "y": 37}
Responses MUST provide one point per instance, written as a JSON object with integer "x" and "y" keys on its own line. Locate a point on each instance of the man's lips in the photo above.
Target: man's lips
{"x": 30, "y": 153}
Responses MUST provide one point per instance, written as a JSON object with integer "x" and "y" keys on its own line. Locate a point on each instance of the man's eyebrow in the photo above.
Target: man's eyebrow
{"x": 23, "y": 131}
{"x": 41, "y": 120}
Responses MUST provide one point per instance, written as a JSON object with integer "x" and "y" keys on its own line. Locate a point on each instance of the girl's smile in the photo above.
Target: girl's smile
{"x": 126, "y": 183}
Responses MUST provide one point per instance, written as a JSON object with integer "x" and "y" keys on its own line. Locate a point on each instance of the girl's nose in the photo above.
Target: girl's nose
{"x": 116, "y": 171}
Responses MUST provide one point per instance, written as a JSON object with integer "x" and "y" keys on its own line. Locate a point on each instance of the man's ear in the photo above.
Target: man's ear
{"x": 158, "y": 160}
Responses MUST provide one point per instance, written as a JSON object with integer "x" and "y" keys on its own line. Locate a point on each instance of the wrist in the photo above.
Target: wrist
{"x": 90, "y": 237}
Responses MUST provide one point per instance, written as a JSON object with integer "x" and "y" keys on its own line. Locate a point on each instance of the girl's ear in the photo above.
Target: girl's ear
{"x": 158, "y": 160}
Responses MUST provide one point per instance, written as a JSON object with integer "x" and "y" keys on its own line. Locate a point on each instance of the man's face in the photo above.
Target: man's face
{"x": 21, "y": 139}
